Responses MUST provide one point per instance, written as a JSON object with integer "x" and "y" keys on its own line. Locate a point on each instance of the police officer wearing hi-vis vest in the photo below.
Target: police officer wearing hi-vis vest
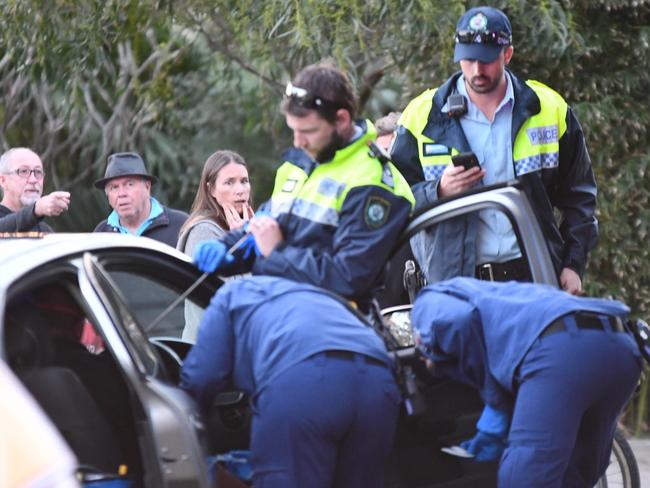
{"x": 337, "y": 207}
{"x": 517, "y": 129}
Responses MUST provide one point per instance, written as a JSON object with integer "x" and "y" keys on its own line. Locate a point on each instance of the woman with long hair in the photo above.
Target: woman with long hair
{"x": 222, "y": 203}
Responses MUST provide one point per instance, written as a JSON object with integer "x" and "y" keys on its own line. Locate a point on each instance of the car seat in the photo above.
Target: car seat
{"x": 31, "y": 353}
{"x": 69, "y": 405}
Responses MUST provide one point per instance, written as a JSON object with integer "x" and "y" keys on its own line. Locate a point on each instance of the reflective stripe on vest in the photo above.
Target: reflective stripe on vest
{"x": 536, "y": 146}
{"x": 320, "y": 196}
{"x": 434, "y": 157}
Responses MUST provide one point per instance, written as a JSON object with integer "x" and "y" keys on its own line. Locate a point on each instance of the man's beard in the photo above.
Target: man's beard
{"x": 337, "y": 141}
{"x": 31, "y": 198}
{"x": 486, "y": 88}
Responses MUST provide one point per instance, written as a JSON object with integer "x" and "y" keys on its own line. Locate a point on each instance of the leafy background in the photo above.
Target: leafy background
{"x": 175, "y": 80}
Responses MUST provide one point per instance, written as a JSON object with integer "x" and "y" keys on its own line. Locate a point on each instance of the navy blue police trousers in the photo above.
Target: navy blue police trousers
{"x": 571, "y": 388}
{"x": 327, "y": 422}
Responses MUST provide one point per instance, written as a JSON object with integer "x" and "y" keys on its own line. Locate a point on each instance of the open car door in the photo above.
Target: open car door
{"x": 174, "y": 445}
{"x": 452, "y": 409}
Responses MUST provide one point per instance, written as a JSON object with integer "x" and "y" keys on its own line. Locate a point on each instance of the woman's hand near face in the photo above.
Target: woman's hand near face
{"x": 247, "y": 212}
{"x": 234, "y": 219}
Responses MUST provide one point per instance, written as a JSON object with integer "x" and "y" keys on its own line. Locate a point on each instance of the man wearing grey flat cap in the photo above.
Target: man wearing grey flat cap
{"x": 517, "y": 130}
{"x": 128, "y": 188}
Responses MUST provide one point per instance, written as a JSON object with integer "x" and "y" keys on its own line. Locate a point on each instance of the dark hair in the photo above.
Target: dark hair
{"x": 205, "y": 206}
{"x": 326, "y": 81}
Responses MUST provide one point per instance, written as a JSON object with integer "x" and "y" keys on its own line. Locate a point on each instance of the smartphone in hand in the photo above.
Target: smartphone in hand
{"x": 467, "y": 160}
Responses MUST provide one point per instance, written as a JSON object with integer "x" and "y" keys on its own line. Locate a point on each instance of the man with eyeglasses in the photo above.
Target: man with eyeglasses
{"x": 517, "y": 129}
{"x": 338, "y": 205}
{"x": 23, "y": 207}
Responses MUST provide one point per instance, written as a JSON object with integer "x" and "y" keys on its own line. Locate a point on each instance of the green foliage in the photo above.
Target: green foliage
{"x": 178, "y": 80}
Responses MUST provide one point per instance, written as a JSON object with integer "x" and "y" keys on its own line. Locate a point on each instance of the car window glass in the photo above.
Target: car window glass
{"x": 147, "y": 297}
{"x": 120, "y": 314}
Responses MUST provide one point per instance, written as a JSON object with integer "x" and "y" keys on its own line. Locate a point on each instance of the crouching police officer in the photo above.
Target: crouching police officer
{"x": 554, "y": 371}
{"x": 325, "y": 403}
{"x": 337, "y": 208}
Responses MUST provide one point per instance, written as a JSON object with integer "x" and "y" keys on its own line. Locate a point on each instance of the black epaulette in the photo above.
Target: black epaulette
{"x": 384, "y": 158}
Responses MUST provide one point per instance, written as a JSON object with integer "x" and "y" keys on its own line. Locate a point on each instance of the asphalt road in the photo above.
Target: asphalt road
{"x": 641, "y": 448}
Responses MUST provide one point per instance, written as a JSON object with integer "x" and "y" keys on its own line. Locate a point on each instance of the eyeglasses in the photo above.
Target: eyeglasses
{"x": 499, "y": 38}
{"x": 24, "y": 173}
{"x": 308, "y": 100}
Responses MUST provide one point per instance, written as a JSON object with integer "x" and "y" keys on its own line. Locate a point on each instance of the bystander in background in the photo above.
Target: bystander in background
{"x": 386, "y": 127}
{"x": 23, "y": 207}
{"x": 222, "y": 203}
{"x": 128, "y": 188}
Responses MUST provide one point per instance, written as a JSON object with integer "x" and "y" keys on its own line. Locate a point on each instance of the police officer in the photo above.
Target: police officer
{"x": 554, "y": 371}
{"x": 336, "y": 208}
{"x": 324, "y": 400}
{"x": 517, "y": 129}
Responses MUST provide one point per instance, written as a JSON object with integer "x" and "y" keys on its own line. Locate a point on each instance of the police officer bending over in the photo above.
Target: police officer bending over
{"x": 554, "y": 371}
{"x": 324, "y": 400}
{"x": 336, "y": 208}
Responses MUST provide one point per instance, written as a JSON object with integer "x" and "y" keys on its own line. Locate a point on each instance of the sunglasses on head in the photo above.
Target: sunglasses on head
{"x": 308, "y": 100}
{"x": 499, "y": 38}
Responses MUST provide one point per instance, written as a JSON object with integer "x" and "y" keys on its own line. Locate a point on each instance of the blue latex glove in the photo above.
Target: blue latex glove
{"x": 490, "y": 441}
{"x": 494, "y": 422}
{"x": 211, "y": 255}
{"x": 485, "y": 447}
{"x": 249, "y": 246}
{"x": 237, "y": 463}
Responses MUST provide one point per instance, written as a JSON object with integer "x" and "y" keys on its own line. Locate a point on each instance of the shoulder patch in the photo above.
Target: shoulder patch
{"x": 289, "y": 185}
{"x": 431, "y": 149}
{"x": 376, "y": 212}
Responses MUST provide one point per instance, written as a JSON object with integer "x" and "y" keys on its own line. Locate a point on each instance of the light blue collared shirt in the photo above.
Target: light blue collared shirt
{"x": 492, "y": 144}
{"x": 156, "y": 210}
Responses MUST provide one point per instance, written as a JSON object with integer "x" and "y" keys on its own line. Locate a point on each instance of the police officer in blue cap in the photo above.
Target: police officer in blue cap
{"x": 517, "y": 130}
{"x": 324, "y": 400}
{"x": 553, "y": 370}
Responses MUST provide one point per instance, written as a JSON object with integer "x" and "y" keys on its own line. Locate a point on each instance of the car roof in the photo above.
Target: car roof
{"x": 19, "y": 255}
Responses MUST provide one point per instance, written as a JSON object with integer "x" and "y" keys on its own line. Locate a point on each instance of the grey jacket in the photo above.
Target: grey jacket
{"x": 202, "y": 230}
{"x": 22, "y": 221}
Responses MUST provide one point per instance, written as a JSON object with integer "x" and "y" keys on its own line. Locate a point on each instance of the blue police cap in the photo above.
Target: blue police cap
{"x": 481, "y": 33}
